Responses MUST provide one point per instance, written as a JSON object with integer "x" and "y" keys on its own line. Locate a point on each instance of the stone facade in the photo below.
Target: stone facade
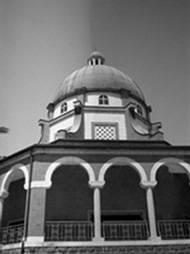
{"x": 154, "y": 249}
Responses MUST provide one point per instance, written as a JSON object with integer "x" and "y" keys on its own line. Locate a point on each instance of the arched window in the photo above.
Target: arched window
{"x": 103, "y": 99}
{"x": 63, "y": 107}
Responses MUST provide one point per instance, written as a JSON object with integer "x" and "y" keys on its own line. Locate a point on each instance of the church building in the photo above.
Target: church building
{"x": 101, "y": 179}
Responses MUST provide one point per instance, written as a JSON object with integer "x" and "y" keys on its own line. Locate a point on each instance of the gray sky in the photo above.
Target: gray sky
{"x": 42, "y": 41}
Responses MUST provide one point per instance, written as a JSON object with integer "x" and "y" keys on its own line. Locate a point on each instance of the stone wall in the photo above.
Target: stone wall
{"x": 155, "y": 249}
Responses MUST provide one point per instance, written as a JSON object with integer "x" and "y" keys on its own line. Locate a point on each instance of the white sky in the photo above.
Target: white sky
{"x": 42, "y": 41}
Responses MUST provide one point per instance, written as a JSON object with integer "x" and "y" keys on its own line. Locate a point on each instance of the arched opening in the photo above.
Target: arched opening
{"x": 14, "y": 212}
{"x": 172, "y": 202}
{"x": 103, "y": 99}
{"x": 68, "y": 204}
{"x": 64, "y": 107}
{"x": 124, "y": 212}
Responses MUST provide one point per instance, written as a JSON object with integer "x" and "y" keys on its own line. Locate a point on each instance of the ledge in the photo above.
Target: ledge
{"x": 151, "y": 242}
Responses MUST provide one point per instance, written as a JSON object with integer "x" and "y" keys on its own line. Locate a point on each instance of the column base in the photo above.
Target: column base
{"x": 155, "y": 238}
{"x": 98, "y": 239}
{"x": 34, "y": 239}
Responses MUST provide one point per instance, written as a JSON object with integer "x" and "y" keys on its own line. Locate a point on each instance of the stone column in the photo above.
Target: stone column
{"x": 1, "y": 210}
{"x": 97, "y": 210}
{"x": 151, "y": 210}
{"x": 3, "y": 195}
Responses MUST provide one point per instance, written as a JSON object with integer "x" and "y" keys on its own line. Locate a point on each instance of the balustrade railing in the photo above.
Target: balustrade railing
{"x": 124, "y": 230}
{"x": 12, "y": 234}
{"x": 83, "y": 231}
{"x": 111, "y": 231}
{"x": 68, "y": 231}
{"x": 174, "y": 229}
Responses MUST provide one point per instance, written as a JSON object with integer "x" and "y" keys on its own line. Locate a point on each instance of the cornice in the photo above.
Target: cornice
{"x": 92, "y": 147}
{"x": 61, "y": 117}
{"x": 15, "y": 158}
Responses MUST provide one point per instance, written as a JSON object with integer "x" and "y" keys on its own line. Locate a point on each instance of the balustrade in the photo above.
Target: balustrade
{"x": 134, "y": 230}
{"x": 111, "y": 231}
{"x": 83, "y": 231}
{"x": 68, "y": 231}
{"x": 174, "y": 229}
{"x": 12, "y": 234}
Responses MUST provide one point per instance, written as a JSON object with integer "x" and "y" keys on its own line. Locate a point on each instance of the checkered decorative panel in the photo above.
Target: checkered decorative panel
{"x": 105, "y": 132}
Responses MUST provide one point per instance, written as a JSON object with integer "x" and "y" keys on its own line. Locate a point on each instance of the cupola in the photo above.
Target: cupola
{"x": 99, "y": 102}
{"x": 96, "y": 58}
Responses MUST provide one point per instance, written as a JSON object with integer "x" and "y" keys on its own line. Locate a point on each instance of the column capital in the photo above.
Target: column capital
{"x": 3, "y": 194}
{"x": 96, "y": 184}
{"x": 40, "y": 184}
{"x": 148, "y": 184}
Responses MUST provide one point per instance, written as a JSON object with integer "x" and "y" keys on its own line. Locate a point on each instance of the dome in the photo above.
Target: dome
{"x": 97, "y": 76}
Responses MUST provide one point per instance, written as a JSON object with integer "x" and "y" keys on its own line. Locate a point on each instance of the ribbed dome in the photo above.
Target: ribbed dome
{"x": 97, "y": 77}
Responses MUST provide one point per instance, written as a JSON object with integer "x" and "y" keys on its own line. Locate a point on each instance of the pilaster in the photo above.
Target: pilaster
{"x": 36, "y": 217}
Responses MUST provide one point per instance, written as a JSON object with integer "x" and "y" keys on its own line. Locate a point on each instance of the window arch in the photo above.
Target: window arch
{"x": 64, "y": 107}
{"x": 103, "y": 99}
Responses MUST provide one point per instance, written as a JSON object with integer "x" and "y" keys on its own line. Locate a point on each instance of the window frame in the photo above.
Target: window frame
{"x": 103, "y": 99}
{"x": 64, "y": 108}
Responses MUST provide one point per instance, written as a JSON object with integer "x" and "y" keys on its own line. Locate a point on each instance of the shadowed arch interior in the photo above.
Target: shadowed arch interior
{"x": 14, "y": 202}
{"x": 122, "y": 194}
{"x": 69, "y": 198}
{"x": 172, "y": 193}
